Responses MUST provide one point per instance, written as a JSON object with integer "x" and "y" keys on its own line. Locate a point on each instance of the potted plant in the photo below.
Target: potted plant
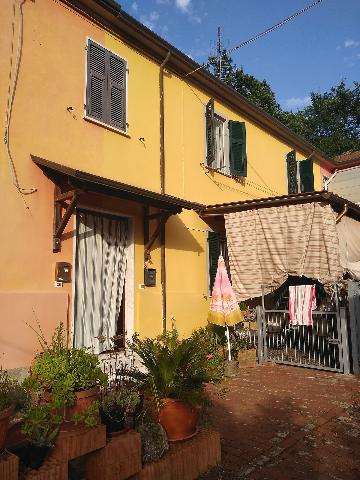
{"x": 242, "y": 348}
{"x": 12, "y": 398}
{"x": 250, "y": 318}
{"x": 41, "y": 427}
{"x": 70, "y": 379}
{"x": 116, "y": 405}
{"x": 154, "y": 442}
{"x": 86, "y": 376}
{"x": 177, "y": 371}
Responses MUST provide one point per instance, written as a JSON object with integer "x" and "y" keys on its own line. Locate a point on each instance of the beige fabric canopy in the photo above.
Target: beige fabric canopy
{"x": 349, "y": 239}
{"x": 267, "y": 244}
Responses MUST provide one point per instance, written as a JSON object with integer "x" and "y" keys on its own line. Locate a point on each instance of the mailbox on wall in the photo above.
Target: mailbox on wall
{"x": 150, "y": 277}
{"x": 63, "y": 272}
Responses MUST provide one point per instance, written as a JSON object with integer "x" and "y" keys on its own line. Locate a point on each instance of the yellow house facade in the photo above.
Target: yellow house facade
{"x": 104, "y": 120}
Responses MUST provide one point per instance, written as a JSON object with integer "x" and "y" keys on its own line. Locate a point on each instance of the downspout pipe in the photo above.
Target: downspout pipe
{"x": 341, "y": 214}
{"x": 162, "y": 189}
{"x": 162, "y": 124}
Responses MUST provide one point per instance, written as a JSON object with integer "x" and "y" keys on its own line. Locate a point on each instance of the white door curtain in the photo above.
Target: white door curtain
{"x": 100, "y": 269}
{"x": 266, "y": 245}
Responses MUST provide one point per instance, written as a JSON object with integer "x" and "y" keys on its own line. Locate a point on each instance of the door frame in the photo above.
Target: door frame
{"x": 130, "y": 269}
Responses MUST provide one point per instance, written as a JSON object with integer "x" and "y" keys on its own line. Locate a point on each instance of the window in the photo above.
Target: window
{"x": 300, "y": 174}
{"x": 106, "y": 87}
{"x": 225, "y": 144}
{"x": 325, "y": 179}
{"x": 220, "y": 162}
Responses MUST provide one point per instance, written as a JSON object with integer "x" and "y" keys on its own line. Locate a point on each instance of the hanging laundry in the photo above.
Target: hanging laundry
{"x": 302, "y": 301}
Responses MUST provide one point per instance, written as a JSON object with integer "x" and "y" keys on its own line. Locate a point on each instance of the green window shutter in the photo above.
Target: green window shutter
{"x": 210, "y": 133}
{"x": 214, "y": 253}
{"x": 307, "y": 175}
{"x": 292, "y": 172}
{"x": 117, "y": 92}
{"x": 237, "y": 140}
{"x": 96, "y": 82}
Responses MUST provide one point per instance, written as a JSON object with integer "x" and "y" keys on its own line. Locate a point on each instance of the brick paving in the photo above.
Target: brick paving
{"x": 283, "y": 423}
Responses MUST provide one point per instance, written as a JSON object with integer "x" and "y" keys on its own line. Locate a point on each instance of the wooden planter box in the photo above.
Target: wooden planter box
{"x": 247, "y": 358}
{"x": 75, "y": 441}
{"x": 118, "y": 460}
{"x": 186, "y": 460}
{"x": 50, "y": 470}
{"x": 9, "y": 466}
{"x": 230, "y": 368}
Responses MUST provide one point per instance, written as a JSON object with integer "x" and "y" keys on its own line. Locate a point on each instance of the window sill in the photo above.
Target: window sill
{"x": 220, "y": 172}
{"x": 105, "y": 125}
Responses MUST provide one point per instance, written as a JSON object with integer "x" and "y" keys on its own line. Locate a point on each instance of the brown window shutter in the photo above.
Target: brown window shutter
{"x": 117, "y": 92}
{"x": 96, "y": 82}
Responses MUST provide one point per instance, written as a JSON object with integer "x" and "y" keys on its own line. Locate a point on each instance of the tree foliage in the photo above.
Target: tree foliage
{"x": 331, "y": 122}
{"x": 257, "y": 91}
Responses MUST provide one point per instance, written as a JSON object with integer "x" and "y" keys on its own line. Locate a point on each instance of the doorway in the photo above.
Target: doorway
{"x": 101, "y": 264}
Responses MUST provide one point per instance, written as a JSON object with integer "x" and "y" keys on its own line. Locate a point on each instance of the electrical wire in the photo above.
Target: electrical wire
{"x": 11, "y": 95}
{"x": 265, "y": 32}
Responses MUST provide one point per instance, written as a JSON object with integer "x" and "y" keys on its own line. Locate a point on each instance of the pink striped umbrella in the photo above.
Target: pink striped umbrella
{"x": 224, "y": 309}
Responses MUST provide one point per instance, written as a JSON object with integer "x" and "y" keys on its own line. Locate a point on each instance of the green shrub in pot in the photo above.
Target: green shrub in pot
{"x": 41, "y": 427}
{"x": 116, "y": 406}
{"x": 13, "y": 397}
{"x": 177, "y": 373}
{"x": 69, "y": 377}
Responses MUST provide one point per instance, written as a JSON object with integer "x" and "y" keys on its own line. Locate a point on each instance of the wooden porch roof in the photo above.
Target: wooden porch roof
{"x": 70, "y": 178}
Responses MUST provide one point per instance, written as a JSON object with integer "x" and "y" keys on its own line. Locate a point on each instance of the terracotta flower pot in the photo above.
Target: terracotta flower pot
{"x": 4, "y": 424}
{"x": 179, "y": 419}
{"x": 83, "y": 400}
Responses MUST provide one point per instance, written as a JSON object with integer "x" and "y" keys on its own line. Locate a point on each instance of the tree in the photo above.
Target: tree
{"x": 257, "y": 91}
{"x": 331, "y": 122}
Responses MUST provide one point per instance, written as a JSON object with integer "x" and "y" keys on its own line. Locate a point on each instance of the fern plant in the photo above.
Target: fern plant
{"x": 175, "y": 368}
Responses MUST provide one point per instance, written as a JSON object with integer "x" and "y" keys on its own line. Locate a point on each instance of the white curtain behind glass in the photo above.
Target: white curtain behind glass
{"x": 100, "y": 269}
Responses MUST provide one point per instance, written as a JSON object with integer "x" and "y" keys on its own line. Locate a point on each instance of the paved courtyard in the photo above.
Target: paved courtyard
{"x": 282, "y": 423}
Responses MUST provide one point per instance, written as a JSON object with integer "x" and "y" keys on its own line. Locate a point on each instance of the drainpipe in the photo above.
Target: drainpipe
{"x": 341, "y": 214}
{"x": 162, "y": 188}
{"x": 162, "y": 123}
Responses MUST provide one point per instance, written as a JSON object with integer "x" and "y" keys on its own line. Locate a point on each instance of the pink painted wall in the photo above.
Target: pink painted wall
{"x": 18, "y": 342}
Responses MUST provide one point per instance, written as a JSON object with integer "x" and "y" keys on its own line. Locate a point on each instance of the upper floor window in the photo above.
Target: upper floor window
{"x": 300, "y": 174}
{"x": 106, "y": 87}
{"x": 325, "y": 180}
{"x": 225, "y": 144}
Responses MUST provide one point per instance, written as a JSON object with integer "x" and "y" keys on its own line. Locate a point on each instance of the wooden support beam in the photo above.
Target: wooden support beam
{"x": 153, "y": 216}
{"x": 146, "y": 225}
{"x": 59, "y": 221}
{"x": 163, "y": 219}
{"x": 61, "y": 197}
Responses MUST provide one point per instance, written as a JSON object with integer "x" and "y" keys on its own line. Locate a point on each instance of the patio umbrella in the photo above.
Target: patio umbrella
{"x": 224, "y": 309}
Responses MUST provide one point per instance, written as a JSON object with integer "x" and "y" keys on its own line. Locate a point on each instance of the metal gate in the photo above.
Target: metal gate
{"x": 354, "y": 318}
{"x": 323, "y": 345}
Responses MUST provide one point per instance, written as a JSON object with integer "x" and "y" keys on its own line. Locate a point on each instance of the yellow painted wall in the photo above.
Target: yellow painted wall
{"x": 48, "y": 121}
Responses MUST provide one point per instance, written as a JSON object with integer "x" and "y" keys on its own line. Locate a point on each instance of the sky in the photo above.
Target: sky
{"x": 312, "y": 53}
